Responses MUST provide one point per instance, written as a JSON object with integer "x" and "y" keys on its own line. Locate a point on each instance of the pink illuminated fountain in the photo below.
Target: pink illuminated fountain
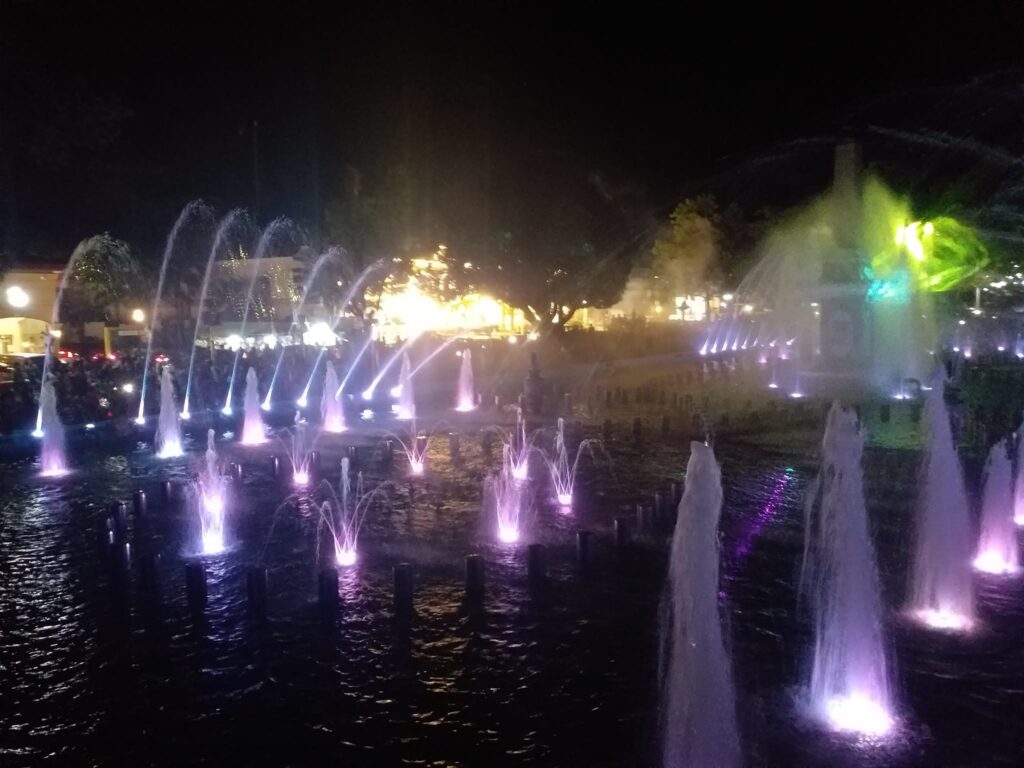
{"x": 849, "y": 684}
{"x": 343, "y": 515}
{"x": 466, "y": 398}
{"x": 330, "y": 403}
{"x": 941, "y": 587}
{"x": 997, "y": 545}
{"x": 211, "y": 500}
{"x": 563, "y": 473}
{"x": 298, "y": 447}
{"x": 252, "y": 426}
{"x": 51, "y": 457}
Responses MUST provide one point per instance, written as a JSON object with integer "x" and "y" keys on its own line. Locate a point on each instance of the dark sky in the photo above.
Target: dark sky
{"x": 113, "y": 115}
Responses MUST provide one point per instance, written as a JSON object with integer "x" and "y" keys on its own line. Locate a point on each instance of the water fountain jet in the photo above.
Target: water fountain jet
{"x": 997, "y": 545}
{"x": 252, "y": 426}
{"x": 52, "y": 458}
{"x": 168, "y": 429}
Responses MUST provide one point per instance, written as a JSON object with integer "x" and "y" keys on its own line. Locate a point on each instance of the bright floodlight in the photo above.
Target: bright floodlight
{"x": 416, "y": 465}
{"x": 345, "y": 557}
{"x": 396, "y": 391}
{"x": 796, "y": 395}
{"x": 858, "y": 714}
{"x": 140, "y": 420}
{"x": 128, "y": 388}
{"x": 565, "y": 499}
{"x": 508, "y": 534}
{"x": 993, "y": 562}
{"x": 17, "y": 297}
{"x": 185, "y": 415}
{"x": 301, "y": 477}
{"x": 37, "y": 433}
{"x": 226, "y": 410}
{"x": 367, "y": 394}
{"x": 520, "y": 471}
{"x": 265, "y": 406}
{"x": 302, "y": 402}
{"x": 138, "y": 316}
{"x": 773, "y": 385}
{"x": 943, "y": 619}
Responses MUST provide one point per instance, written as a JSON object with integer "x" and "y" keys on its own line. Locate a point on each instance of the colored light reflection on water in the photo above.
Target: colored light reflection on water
{"x": 858, "y": 714}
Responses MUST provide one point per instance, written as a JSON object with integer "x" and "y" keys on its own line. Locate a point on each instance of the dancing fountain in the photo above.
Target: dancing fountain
{"x": 298, "y": 447}
{"x": 997, "y": 544}
{"x": 504, "y": 494}
{"x": 343, "y": 516}
{"x": 414, "y": 448}
{"x": 330, "y": 404}
{"x": 849, "y": 685}
{"x": 466, "y": 397}
{"x": 52, "y": 459}
{"x": 941, "y": 587}
{"x": 517, "y": 449}
{"x": 698, "y": 701}
{"x": 211, "y": 500}
{"x": 406, "y": 408}
{"x": 168, "y": 428}
{"x": 563, "y": 473}
{"x": 252, "y": 426}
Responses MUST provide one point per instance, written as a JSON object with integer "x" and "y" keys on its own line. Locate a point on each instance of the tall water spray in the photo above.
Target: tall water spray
{"x": 252, "y": 426}
{"x": 997, "y": 545}
{"x": 212, "y": 500}
{"x": 168, "y": 429}
{"x": 330, "y": 404}
{"x": 849, "y": 685}
{"x": 196, "y": 206}
{"x": 941, "y": 587}
{"x": 467, "y": 393}
{"x": 406, "y": 400}
{"x": 698, "y": 700}
{"x": 52, "y": 460}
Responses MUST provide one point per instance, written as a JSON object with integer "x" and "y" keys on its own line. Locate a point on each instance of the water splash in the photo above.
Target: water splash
{"x": 504, "y": 494}
{"x": 252, "y": 426}
{"x": 196, "y": 206}
{"x": 330, "y": 406}
{"x": 225, "y": 227}
{"x": 168, "y": 428}
{"x": 406, "y": 398}
{"x": 368, "y": 392}
{"x": 211, "y": 500}
{"x": 563, "y": 472}
{"x": 298, "y": 446}
{"x": 466, "y": 397}
{"x": 941, "y": 588}
{"x": 997, "y": 545}
{"x": 849, "y": 685}
{"x": 52, "y": 458}
{"x": 698, "y": 699}
{"x": 343, "y": 514}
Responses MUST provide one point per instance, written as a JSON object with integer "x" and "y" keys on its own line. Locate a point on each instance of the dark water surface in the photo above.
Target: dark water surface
{"x": 99, "y": 666}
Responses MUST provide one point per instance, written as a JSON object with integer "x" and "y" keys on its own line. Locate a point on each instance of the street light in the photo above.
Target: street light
{"x": 138, "y": 316}
{"x": 17, "y": 297}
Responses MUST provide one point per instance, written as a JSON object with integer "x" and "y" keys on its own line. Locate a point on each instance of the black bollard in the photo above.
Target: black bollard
{"x": 638, "y": 429}
{"x": 139, "y": 502}
{"x": 454, "y": 445}
{"x": 256, "y": 591}
{"x": 389, "y": 452}
{"x": 195, "y": 585}
{"x": 536, "y": 569}
{"x": 583, "y": 539}
{"x": 474, "y": 578}
{"x": 621, "y": 532}
{"x": 327, "y": 592}
{"x": 403, "y": 590}
{"x": 167, "y": 492}
{"x": 276, "y": 467}
{"x": 606, "y": 430}
{"x": 352, "y": 452}
{"x": 119, "y": 516}
{"x": 235, "y": 472}
{"x": 644, "y": 518}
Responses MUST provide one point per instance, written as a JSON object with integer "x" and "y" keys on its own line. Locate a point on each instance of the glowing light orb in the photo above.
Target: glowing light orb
{"x": 213, "y": 541}
{"x": 956, "y": 349}
{"x": 796, "y": 395}
{"x": 1020, "y": 355}
{"x": 265, "y": 407}
{"x": 302, "y": 402}
{"x": 90, "y": 425}
{"x": 416, "y": 466}
{"x": 991, "y": 561}
{"x": 301, "y": 477}
{"x": 967, "y": 354}
{"x": 565, "y": 499}
{"x": 396, "y": 391}
{"x": 508, "y": 534}
{"x": 520, "y": 471}
{"x": 345, "y": 557}
{"x": 37, "y": 433}
{"x": 185, "y": 415}
{"x": 773, "y": 385}
{"x": 366, "y": 415}
{"x": 138, "y": 420}
{"x": 944, "y": 619}
{"x": 858, "y": 714}
{"x": 57, "y": 472}
{"x": 367, "y": 394}
{"x": 226, "y": 410}
{"x": 1001, "y": 348}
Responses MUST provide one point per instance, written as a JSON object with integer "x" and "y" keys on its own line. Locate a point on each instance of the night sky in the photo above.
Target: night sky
{"x": 499, "y": 114}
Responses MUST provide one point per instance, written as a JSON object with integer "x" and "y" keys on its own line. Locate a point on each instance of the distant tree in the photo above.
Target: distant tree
{"x": 103, "y": 277}
{"x": 686, "y": 256}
